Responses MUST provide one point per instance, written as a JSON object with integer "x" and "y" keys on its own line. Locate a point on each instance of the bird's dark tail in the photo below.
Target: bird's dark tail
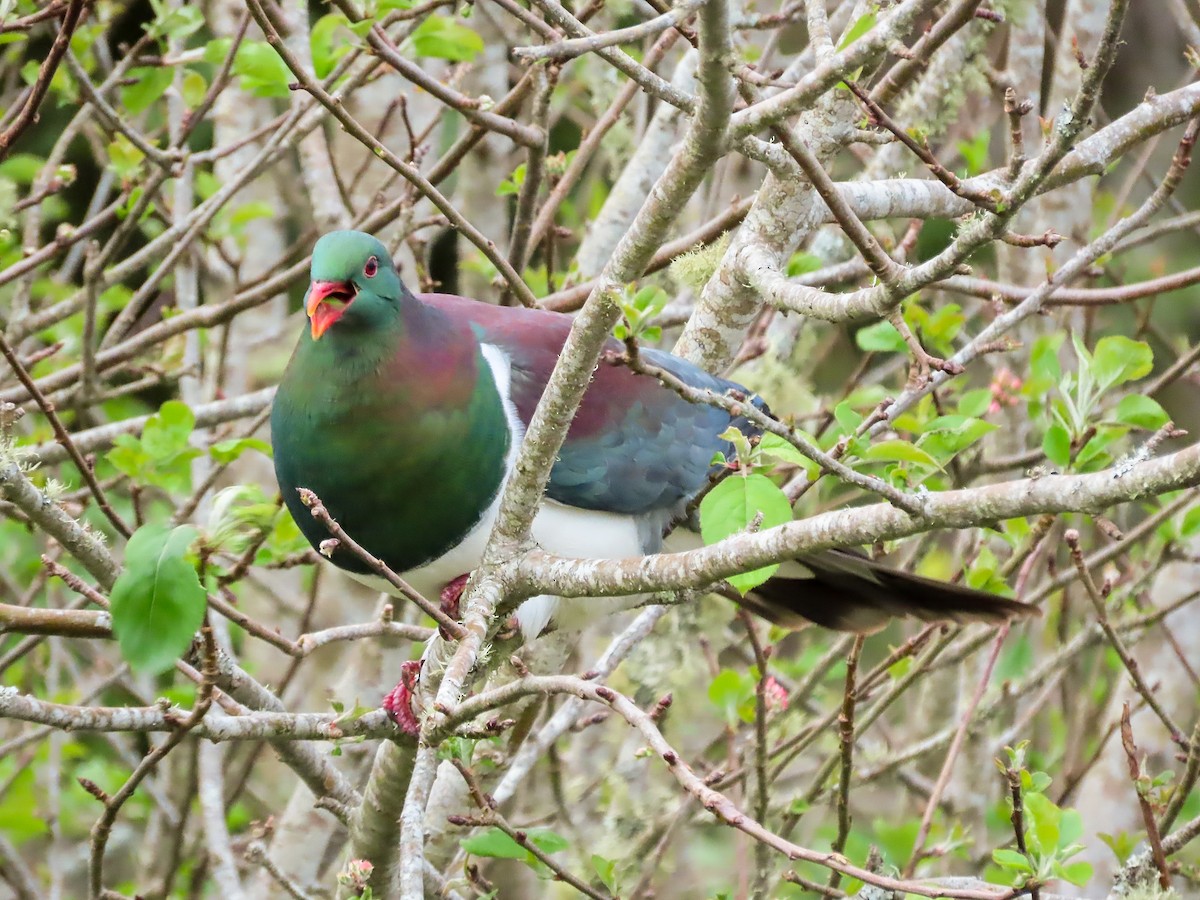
{"x": 846, "y": 591}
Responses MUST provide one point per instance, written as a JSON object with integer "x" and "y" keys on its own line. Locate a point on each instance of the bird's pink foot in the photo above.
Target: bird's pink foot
{"x": 451, "y": 594}
{"x": 398, "y": 702}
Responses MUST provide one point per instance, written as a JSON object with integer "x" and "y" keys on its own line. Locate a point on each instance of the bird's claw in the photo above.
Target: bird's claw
{"x": 451, "y": 594}
{"x": 398, "y": 701}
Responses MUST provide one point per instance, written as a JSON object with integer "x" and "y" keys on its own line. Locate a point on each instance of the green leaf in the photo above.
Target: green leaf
{"x": 175, "y": 422}
{"x": 22, "y": 168}
{"x": 249, "y": 212}
{"x": 1118, "y": 359}
{"x": 943, "y": 325}
{"x": 124, "y": 158}
{"x": 975, "y": 403}
{"x": 546, "y": 840}
{"x": 157, "y": 602}
{"x": 262, "y": 72}
{"x": 896, "y": 839}
{"x": 1057, "y": 445}
{"x": 732, "y": 505}
{"x": 162, "y": 455}
{"x": 638, "y": 307}
{"x": 882, "y": 337}
{"x": 729, "y": 691}
{"x": 899, "y": 669}
{"x": 742, "y": 450}
{"x": 1191, "y": 522}
{"x": 1016, "y": 659}
{"x": 512, "y": 184}
{"x": 148, "y": 86}
{"x": 1122, "y": 843}
{"x": 947, "y": 435}
{"x": 802, "y": 263}
{"x": 847, "y": 417}
{"x": 194, "y": 88}
{"x": 1043, "y": 359}
{"x": 178, "y": 23}
{"x": 1011, "y": 859}
{"x": 1070, "y": 827}
{"x": 228, "y": 451}
{"x": 445, "y": 38}
{"x": 900, "y": 451}
{"x": 1043, "y": 817}
{"x": 1141, "y": 412}
{"x": 975, "y": 152}
{"x": 606, "y": 871}
{"x": 1034, "y": 782}
{"x": 20, "y": 802}
{"x": 494, "y": 843}
{"x": 1078, "y": 873}
{"x": 857, "y": 30}
{"x": 772, "y": 446}
{"x": 327, "y": 46}
{"x": 216, "y": 51}
{"x": 1094, "y": 455}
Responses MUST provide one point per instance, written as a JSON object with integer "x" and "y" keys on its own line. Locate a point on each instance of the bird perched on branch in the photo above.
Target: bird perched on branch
{"x": 403, "y": 413}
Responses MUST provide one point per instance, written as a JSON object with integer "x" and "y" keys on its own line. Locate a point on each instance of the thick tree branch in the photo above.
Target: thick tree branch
{"x": 538, "y": 572}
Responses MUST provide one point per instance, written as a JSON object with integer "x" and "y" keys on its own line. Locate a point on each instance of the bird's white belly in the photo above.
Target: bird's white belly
{"x": 562, "y": 530}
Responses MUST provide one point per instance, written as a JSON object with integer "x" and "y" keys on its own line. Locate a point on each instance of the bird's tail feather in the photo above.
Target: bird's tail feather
{"x": 846, "y": 591}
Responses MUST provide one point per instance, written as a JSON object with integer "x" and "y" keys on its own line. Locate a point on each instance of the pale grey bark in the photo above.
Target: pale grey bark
{"x": 774, "y": 227}
{"x": 236, "y": 115}
{"x": 483, "y": 171}
{"x": 210, "y": 782}
{"x": 1026, "y": 49}
{"x": 316, "y": 164}
{"x": 651, "y": 154}
{"x": 1069, "y": 209}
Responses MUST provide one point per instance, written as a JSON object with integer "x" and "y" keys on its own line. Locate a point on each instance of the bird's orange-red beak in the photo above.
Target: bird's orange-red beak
{"x": 327, "y": 301}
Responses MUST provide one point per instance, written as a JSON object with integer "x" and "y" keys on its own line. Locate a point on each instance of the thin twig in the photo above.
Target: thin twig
{"x": 1135, "y": 776}
{"x": 492, "y": 816}
{"x": 935, "y": 796}
{"x": 64, "y": 437}
{"x": 411, "y": 174}
{"x": 1071, "y": 536}
{"x": 321, "y": 514}
{"x": 29, "y": 108}
{"x": 569, "y": 49}
{"x": 846, "y": 747}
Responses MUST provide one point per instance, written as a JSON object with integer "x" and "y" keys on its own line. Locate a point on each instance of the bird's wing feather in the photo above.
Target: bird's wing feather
{"x": 635, "y": 446}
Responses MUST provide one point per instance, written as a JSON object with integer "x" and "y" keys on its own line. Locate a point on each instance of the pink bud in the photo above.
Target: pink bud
{"x": 774, "y": 694}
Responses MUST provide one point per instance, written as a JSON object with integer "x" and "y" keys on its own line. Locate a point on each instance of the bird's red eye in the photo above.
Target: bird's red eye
{"x": 371, "y": 267}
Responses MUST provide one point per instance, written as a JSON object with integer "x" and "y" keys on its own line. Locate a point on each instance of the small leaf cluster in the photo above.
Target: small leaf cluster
{"x": 638, "y": 310}
{"x": 746, "y": 498}
{"x": 1082, "y": 424}
{"x": 936, "y": 329}
{"x": 1050, "y": 833}
{"x": 162, "y": 456}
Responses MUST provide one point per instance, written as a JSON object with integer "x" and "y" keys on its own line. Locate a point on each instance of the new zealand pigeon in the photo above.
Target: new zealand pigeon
{"x": 404, "y": 414}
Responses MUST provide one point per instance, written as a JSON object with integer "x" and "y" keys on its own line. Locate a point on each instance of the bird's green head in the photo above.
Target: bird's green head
{"x": 354, "y": 283}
